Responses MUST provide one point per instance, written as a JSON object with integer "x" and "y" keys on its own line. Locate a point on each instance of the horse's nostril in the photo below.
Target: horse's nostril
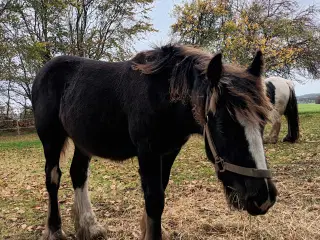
{"x": 265, "y": 206}
{"x": 256, "y": 204}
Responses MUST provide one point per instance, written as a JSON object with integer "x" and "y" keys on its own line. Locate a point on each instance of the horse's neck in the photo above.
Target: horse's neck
{"x": 198, "y": 102}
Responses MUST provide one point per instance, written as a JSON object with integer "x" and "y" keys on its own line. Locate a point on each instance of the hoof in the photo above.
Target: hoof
{"x": 93, "y": 232}
{"x": 164, "y": 233}
{"x": 289, "y": 139}
{"x": 58, "y": 235}
{"x": 266, "y": 140}
{"x": 269, "y": 141}
{"x": 145, "y": 229}
{"x": 88, "y": 228}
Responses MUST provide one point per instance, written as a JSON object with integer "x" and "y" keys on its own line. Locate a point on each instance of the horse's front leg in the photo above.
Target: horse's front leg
{"x": 151, "y": 181}
{"x": 85, "y": 222}
{"x": 167, "y": 161}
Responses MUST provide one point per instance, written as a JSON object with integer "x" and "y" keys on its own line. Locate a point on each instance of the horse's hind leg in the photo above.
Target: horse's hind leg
{"x": 275, "y": 128}
{"x": 53, "y": 140}
{"x": 85, "y": 222}
{"x": 274, "y": 135}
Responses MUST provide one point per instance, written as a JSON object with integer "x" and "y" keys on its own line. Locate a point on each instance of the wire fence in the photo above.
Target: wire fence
{"x": 17, "y": 126}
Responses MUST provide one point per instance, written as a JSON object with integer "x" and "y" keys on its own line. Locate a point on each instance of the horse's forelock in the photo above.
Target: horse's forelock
{"x": 249, "y": 98}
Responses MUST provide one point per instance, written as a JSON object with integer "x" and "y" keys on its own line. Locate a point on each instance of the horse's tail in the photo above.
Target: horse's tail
{"x": 292, "y": 116}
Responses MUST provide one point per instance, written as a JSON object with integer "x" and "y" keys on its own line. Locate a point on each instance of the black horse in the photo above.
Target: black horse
{"x": 148, "y": 107}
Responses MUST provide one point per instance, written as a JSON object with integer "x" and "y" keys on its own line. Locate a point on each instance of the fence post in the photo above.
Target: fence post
{"x": 18, "y": 128}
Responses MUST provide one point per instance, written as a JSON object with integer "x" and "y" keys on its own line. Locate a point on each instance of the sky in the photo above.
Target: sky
{"x": 162, "y": 20}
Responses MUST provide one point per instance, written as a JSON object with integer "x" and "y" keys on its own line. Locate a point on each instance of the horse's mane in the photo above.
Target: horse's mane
{"x": 246, "y": 93}
{"x": 181, "y": 61}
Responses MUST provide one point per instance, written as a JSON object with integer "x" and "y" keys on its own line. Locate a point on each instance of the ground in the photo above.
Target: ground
{"x": 195, "y": 205}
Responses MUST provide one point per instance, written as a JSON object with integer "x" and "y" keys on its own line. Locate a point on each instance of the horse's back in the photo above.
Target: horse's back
{"x": 280, "y": 82}
{"x": 62, "y": 68}
{"x": 280, "y": 91}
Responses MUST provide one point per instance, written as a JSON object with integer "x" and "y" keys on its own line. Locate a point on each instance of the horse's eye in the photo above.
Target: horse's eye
{"x": 149, "y": 59}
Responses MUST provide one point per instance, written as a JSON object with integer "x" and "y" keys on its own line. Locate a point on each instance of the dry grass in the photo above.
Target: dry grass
{"x": 195, "y": 204}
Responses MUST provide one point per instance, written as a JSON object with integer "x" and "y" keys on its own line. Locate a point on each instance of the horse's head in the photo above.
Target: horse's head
{"x": 236, "y": 112}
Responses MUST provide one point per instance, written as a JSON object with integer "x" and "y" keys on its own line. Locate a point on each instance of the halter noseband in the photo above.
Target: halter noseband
{"x": 221, "y": 165}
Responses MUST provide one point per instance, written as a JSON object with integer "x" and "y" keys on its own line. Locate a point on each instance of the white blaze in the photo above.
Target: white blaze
{"x": 254, "y": 138}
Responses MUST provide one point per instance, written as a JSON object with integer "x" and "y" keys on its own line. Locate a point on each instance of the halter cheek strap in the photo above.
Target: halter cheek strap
{"x": 222, "y": 166}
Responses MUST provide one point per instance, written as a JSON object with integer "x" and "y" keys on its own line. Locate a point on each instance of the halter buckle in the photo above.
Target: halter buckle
{"x": 220, "y": 165}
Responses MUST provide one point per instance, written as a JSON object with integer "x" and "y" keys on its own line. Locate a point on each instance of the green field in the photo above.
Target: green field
{"x": 195, "y": 204}
{"x": 309, "y": 108}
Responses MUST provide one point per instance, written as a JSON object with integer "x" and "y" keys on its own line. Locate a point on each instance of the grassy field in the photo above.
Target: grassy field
{"x": 195, "y": 204}
{"x": 309, "y": 108}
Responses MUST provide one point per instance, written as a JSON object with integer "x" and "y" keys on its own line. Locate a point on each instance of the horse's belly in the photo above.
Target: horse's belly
{"x": 112, "y": 147}
{"x": 103, "y": 140}
{"x": 115, "y": 150}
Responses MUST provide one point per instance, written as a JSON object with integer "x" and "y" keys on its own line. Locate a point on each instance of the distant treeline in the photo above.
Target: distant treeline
{"x": 309, "y": 98}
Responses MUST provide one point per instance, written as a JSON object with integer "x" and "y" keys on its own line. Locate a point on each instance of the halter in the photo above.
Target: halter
{"x": 221, "y": 165}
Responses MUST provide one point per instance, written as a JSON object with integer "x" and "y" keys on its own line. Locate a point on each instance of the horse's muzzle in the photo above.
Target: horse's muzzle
{"x": 253, "y": 204}
{"x": 254, "y": 209}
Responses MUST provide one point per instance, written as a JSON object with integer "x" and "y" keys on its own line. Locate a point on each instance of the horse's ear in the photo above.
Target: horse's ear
{"x": 214, "y": 70}
{"x": 256, "y": 67}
